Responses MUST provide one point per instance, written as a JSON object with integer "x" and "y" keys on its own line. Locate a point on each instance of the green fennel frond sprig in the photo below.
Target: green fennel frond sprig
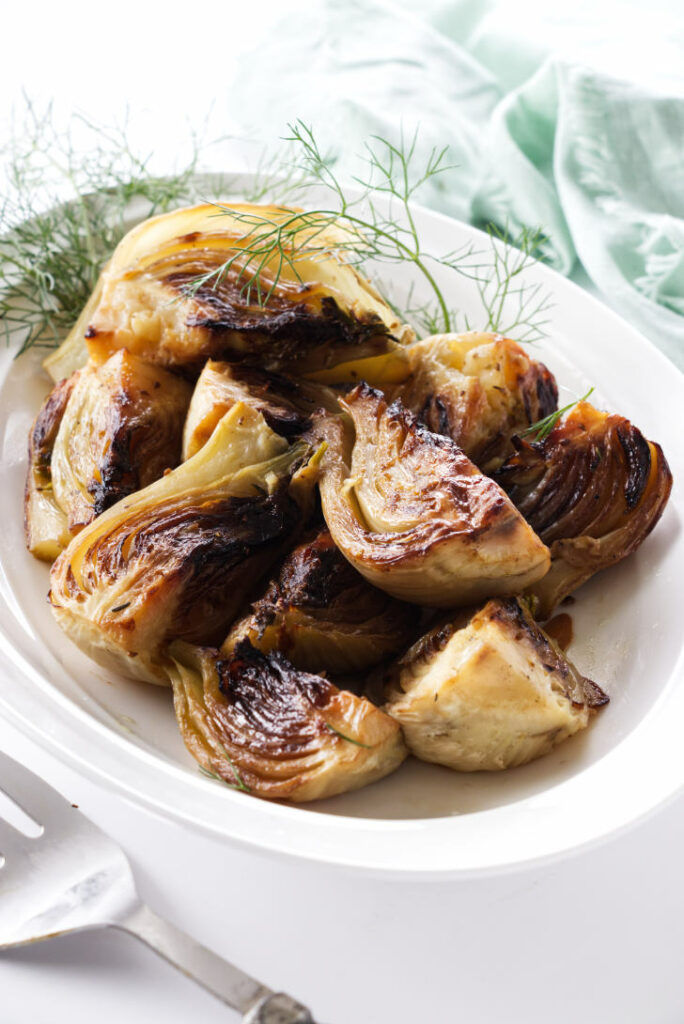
{"x": 513, "y": 305}
{"x": 365, "y": 229}
{"x": 542, "y": 428}
{"x": 64, "y": 213}
{"x": 371, "y": 232}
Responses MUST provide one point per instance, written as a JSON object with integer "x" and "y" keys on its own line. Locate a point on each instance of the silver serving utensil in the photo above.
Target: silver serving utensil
{"x": 72, "y": 877}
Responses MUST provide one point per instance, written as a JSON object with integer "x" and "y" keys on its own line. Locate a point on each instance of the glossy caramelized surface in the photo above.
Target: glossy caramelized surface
{"x": 592, "y": 490}
{"x": 414, "y": 515}
{"x": 261, "y": 724}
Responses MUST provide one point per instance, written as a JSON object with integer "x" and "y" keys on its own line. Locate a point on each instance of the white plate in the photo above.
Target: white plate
{"x": 423, "y": 820}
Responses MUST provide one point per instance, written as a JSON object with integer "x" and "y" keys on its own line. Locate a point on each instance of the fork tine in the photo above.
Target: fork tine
{"x": 38, "y": 799}
{"x": 12, "y": 846}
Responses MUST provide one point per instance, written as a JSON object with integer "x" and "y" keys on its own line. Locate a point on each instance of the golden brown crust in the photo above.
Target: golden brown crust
{"x": 262, "y": 726}
{"x": 321, "y": 614}
{"x": 479, "y": 390}
{"x": 593, "y": 490}
{"x": 414, "y": 515}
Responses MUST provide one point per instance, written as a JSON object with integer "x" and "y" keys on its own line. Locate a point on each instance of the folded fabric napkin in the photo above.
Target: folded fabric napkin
{"x": 569, "y": 134}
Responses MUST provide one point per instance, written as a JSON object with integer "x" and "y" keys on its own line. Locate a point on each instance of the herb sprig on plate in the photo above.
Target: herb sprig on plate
{"x": 65, "y": 213}
{"x": 542, "y": 428}
{"x": 374, "y": 223}
{"x": 52, "y": 251}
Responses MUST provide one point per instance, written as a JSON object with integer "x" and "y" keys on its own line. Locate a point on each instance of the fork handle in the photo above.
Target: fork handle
{"x": 261, "y": 1005}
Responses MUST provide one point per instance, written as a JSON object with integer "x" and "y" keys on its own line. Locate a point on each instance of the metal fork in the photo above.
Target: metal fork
{"x": 73, "y": 877}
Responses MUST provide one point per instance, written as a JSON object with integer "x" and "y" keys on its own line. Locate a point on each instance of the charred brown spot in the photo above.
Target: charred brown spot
{"x": 638, "y": 458}
{"x": 270, "y": 703}
{"x": 435, "y": 415}
{"x": 139, "y": 451}
{"x": 279, "y": 398}
{"x": 315, "y": 574}
{"x": 46, "y": 424}
{"x": 539, "y": 392}
{"x": 294, "y": 327}
{"x": 511, "y": 614}
{"x": 429, "y": 644}
{"x": 594, "y": 697}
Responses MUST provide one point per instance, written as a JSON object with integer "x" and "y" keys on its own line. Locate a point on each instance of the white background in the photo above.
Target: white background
{"x": 596, "y": 937}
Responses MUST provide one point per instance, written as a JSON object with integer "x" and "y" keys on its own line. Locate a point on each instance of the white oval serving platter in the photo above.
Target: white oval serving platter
{"x": 423, "y": 821}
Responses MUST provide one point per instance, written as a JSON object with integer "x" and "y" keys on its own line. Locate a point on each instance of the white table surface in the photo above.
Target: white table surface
{"x": 597, "y": 937}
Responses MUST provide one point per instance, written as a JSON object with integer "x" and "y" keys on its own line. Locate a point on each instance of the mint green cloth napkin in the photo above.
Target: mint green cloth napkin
{"x": 568, "y": 132}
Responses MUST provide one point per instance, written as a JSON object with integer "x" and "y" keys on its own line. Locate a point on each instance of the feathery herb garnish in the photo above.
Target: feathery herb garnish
{"x": 363, "y": 230}
{"x": 239, "y": 781}
{"x": 65, "y": 214}
{"x": 383, "y": 232}
{"x": 503, "y": 287}
{"x": 343, "y": 736}
{"x": 542, "y": 428}
{"x": 52, "y": 251}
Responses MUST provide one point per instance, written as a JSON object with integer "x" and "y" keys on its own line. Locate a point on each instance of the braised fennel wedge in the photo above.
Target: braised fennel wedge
{"x": 479, "y": 390}
{"x": 488, "y": 690}
{"x": 413, "y": 514}
{"x": 322, "y": 614}
{"x": 176, "y": 292}
{"x": 121, "y": 429}
{"x": 171, "y": 561}
{"x": 259, "y": 724}
{"x": 593, "y": 489}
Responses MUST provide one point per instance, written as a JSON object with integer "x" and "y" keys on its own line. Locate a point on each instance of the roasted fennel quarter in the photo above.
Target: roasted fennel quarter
{"x": 262, "y": 726}
{"x": 188, "y": 285}
{"x": 479, "y": 390}
{"x": 413, "y": 514}
{"x": 323, "y": 615}
{"x": 593, "y": 489}
{"x": 178, "y": 559}
{"x": 121, "y": 429}
{"x": 488, "y": 690}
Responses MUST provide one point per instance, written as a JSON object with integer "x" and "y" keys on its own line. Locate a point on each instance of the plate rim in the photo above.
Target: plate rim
{"x": 290, "y": 823}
